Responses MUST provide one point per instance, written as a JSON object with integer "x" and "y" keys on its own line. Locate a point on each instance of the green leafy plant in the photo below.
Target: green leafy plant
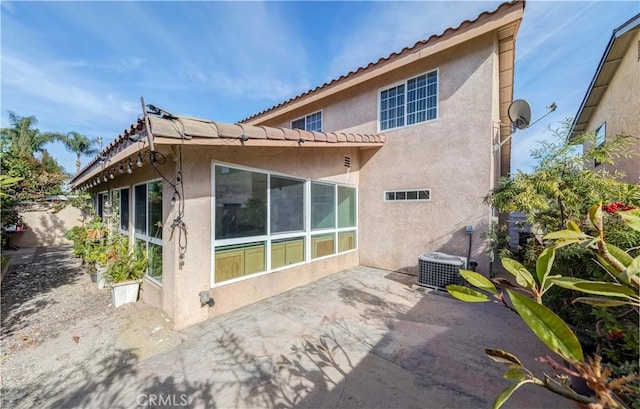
{"x": 123, "y": 262}
{"x": 526, "y": 299}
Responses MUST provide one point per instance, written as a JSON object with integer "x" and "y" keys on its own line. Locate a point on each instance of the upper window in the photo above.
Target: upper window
{"x": 412, "y": 102}
{"x": 601, "y": 136}
{"x": 311, "y": 122}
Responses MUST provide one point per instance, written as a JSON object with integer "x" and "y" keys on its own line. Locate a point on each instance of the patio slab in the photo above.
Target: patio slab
{"x": 359, "y": 338}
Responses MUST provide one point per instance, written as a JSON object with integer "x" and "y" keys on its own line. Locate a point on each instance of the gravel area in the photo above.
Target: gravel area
{"x": 56, "y": 324}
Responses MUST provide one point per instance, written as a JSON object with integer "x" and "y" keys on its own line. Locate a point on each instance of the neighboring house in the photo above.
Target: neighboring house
{"x": 612, "y": 103}
{"x": 376, "y": 167}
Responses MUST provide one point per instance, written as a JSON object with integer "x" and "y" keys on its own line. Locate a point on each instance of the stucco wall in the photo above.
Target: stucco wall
{"x": 619, "y": 108}
{"x": 452, "y": 156}
{"x": 179, "y": 293}
{"x": 46, "y": 227}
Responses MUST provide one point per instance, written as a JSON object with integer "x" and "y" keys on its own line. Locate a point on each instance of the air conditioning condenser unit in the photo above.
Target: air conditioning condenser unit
{"x": 438, "y": 270}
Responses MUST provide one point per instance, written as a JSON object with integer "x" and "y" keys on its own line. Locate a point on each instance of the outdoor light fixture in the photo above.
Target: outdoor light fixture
{"x": 243, "y": 138}
{"x": 301, "y": 141}
{"x": 121, "y": 169}
{"x": 139, "y": 161}
{"x": 111, "y": 175}
{"x": 104, "y": 177}
{"x": 129, "y": 170}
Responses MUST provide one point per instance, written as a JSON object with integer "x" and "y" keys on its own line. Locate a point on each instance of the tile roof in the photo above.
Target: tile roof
{"x": 179, "y": 127}
{"x": 202, "y": 128}
{"x": 393, "y": 56}
{"x": 617, "y": 47}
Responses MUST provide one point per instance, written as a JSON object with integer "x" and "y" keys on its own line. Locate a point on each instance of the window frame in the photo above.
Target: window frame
{"x": 270, "y": 237}
{"x": 119, "y": 207}
{"x": 599, "y": 142}
{"x": 405, "y": 191}
{"x": 145, "y": 237}
{"x": 305, "y": 117}
{"x": 406, "y": 101}
{"x": 99, "y": 204}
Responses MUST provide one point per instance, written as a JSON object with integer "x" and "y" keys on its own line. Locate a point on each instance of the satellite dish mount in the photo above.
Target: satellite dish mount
{"x": 520, "y": 116}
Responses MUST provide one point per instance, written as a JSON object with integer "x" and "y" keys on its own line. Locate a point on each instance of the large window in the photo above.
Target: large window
{"x": 265, "y": 221}
{"x": 120, "y": 210}
{"x": 323, "y": 206}
{"x": 124, "y": 209}
{"x": 287, "y": 204}
{"x": 147, "y": 221}
{"x": 101, "y": 198}
{"x": 412, "y": 102}
{"x": 311, "y": 122}
{"x": 241, "y": 203}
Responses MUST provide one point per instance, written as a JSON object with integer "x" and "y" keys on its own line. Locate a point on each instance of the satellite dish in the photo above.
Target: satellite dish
{"x": 520, "y": 113}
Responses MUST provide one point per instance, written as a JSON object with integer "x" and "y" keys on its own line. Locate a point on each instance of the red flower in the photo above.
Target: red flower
{"x": 616, "y": 206}
{"x": 615, "y": 335}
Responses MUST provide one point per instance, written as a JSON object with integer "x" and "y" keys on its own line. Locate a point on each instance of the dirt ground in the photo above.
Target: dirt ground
{"x": 53, "y": 316}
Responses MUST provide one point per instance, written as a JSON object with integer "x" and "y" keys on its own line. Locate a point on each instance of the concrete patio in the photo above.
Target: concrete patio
{"x": 361, "y": 338}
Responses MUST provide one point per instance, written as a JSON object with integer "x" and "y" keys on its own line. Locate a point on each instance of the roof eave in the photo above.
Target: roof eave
{"x": 506, "y": 14}
{"x": 580, "y": 119}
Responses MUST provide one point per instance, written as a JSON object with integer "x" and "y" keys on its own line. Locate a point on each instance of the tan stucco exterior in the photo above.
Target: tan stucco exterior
{"x": 453, "y": 156}
{"x": 619, "y": 108}
{"x": 46, "y": 227}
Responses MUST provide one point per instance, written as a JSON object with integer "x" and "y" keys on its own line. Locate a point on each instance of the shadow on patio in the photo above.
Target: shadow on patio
{"x": 354, "y": 339}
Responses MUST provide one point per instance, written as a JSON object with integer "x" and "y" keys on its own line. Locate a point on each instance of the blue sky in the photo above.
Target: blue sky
{"x": 82, "y": 66}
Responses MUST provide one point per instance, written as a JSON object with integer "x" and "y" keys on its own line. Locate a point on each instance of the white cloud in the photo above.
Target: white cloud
{"x": 390, "y": 26}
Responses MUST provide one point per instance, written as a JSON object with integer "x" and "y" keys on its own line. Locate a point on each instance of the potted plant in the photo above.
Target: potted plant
{"x": 125, "y": 268}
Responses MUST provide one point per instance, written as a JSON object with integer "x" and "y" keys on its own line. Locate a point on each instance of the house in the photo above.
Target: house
{"x": 376, "y": 167}
{"x": 612, "y": 102}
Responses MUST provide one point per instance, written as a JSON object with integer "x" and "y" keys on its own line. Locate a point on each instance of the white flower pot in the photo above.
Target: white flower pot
{"x": 124, "y": 293}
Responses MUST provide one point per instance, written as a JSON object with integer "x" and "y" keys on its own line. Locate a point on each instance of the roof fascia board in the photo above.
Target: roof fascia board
{"x": 124, "y": 154}
{"x": 494, "y": 22}
{"x": 159, "y": 140}
{"x": 633, "y": 23}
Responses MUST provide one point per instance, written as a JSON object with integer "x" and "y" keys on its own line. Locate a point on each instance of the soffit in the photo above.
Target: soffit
{"x": 618, "y": 46}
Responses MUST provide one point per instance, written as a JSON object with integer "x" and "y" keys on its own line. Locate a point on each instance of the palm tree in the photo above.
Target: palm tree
{"x": 80, "y": 145}
{"x": 23, "y": 138}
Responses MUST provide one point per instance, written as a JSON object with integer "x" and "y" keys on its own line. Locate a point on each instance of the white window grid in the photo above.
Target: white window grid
{"x": 409, "y": 102}
{"x": 407, "y": 195}
{"x": 307, "y": 234}
{"x": 311, "y": 122}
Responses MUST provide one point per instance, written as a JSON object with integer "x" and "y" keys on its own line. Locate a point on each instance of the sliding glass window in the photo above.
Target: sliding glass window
{"x": 263, "y": 221}
{"x": 147, "y": 221}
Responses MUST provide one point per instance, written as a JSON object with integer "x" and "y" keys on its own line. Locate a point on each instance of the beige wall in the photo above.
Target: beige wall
{"x": 46, "y": 227}
{"x": 452, "y": 156}
{"x": 620, "y": 107}
{"x": 179, "y": 293}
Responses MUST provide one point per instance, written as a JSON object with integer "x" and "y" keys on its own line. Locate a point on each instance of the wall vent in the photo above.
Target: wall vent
{"x": 347, "y": 161}
{"x": 438, "y": 270}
